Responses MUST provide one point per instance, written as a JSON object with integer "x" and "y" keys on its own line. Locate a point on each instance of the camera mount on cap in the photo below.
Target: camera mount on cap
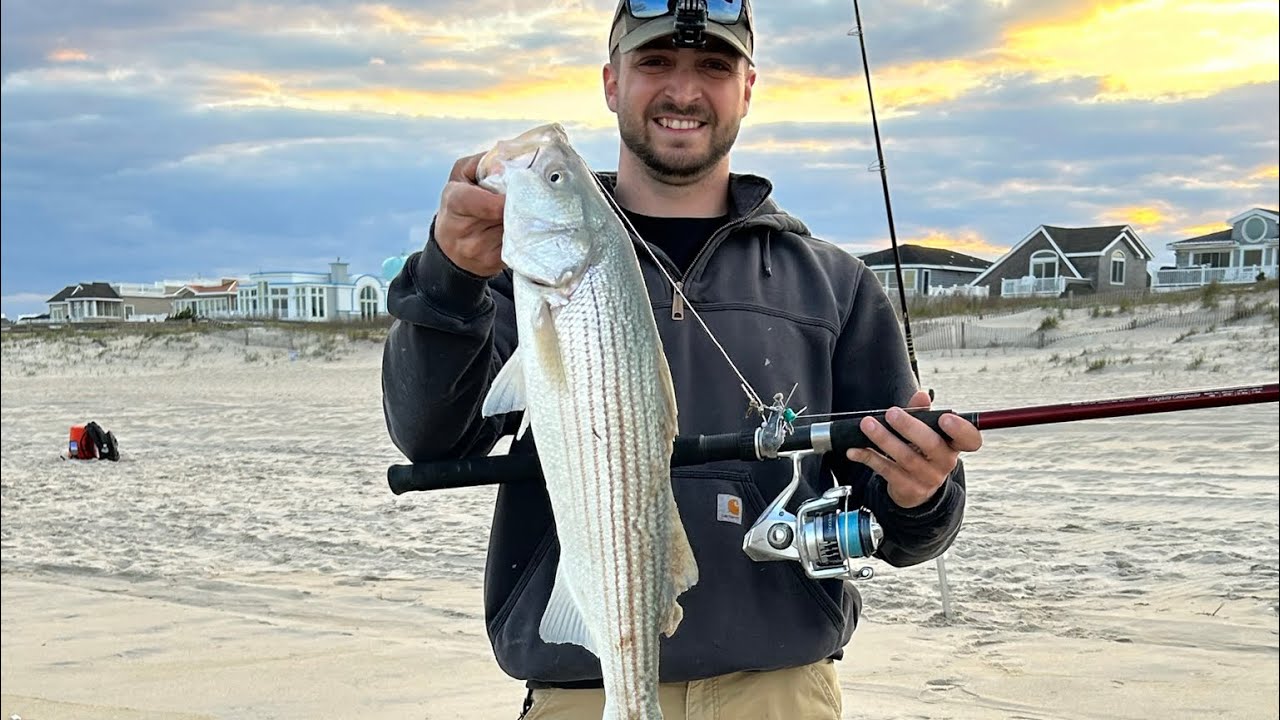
{"x": 691, "y": 23}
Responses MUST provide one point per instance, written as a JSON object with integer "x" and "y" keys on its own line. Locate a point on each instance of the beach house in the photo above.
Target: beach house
{"x": 312, "y": 296}
{"x": 1243, "y": 252}
{"x": 1057, "y": 261}
{"x": 86, "y": 302}
{"x": 207, "y": 300}
{"x": 925, "y": 270}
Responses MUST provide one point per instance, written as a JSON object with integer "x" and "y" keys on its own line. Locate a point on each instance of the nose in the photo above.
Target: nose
{"x": 684, "y": 87}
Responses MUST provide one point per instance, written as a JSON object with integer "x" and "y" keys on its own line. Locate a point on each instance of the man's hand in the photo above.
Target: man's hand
{"x": 915, "y": 471}
{"x": 469, "y": 222}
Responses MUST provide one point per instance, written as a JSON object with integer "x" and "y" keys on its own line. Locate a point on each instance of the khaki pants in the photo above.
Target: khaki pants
{"x": 810, "y": 692}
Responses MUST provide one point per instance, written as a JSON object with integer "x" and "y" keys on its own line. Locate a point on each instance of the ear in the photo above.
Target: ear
{"x": 609, "y": 78}
{"x": 746, "y": 91}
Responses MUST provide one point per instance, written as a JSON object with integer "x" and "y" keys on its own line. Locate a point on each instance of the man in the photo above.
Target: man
{"x": 758, "y": 640}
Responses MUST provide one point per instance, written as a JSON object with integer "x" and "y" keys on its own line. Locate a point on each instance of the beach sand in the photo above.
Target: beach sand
{"x": 246, "y": 559}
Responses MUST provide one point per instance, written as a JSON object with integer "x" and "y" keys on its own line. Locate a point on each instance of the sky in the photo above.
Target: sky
{"x": 155, "y": 140}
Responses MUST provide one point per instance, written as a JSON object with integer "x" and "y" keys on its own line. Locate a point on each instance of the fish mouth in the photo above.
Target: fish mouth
{"x": 491, "y": 172}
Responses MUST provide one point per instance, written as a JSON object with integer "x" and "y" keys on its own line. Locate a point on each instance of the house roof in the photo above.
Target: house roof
{"x": 1218, "y": 236}
{"x": 226, "y": 287}
{"x": 921, "y": 255}
{"x": 1275, "y": 214}
{"x": 87, "y": 291}
{"x": 1084, "y": 239}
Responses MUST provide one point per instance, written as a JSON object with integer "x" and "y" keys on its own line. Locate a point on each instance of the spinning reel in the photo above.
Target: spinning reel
{"x": 824, "y": 537}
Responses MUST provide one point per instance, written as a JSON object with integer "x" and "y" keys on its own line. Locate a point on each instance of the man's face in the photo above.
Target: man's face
{"x": 679, "y": 110}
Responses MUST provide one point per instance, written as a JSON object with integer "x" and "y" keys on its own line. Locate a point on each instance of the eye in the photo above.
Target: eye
{"x": 555, "y": 177}
{"x": 718, "y": 69}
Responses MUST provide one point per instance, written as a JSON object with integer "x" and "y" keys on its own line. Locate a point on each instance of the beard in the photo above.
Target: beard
{"x": 678, "y": 166}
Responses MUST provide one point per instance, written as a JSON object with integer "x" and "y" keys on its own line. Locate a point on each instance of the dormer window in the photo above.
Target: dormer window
{"x": 1254, "y": 229}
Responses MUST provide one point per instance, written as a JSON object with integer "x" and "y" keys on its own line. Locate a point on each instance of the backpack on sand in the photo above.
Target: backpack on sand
{"x": 91, "y": 442}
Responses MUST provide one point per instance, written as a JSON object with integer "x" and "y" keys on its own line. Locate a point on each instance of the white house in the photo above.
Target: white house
{"x": 312, "y": 296}
{"x": 207, "y": 300}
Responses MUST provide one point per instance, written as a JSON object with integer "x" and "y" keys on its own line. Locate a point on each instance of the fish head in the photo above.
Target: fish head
{"x": 550, "y": 207}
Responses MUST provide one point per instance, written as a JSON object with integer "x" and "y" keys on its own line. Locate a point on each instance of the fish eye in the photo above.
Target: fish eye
{"x": 555, "y": 176}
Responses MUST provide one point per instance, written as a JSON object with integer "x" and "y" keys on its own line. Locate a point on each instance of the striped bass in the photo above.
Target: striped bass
{"x": 592, "y": 379}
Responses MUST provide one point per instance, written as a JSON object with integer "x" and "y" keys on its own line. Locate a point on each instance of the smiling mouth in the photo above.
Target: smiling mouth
{"x": 679, "y": 123}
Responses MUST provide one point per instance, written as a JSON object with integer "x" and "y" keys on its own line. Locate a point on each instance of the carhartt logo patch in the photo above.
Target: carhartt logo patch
{"x": 729, "y": 508}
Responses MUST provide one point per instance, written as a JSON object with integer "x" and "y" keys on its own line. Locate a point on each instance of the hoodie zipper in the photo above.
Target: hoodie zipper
{"x": 677, "y": 299}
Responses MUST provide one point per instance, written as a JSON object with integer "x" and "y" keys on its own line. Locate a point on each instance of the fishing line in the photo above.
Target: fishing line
{"x": 746, "y": 386}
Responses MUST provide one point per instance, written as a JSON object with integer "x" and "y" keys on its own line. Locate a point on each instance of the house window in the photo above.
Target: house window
{"x": 280, "y": 302}
{"x": 1252, "y": 258}
{"x": 128, "y": 311}
{"x": 889, "y": 279}
{"x": 1117, "y": 267}
{"x": 1254, "y": 229}
{"x": 1044, "y": 264}
{"x": 368, "y": 303}
{"x": 249, "y": 301}
{"x": 1211, "y": 259}
{"x": 317, "y": 302}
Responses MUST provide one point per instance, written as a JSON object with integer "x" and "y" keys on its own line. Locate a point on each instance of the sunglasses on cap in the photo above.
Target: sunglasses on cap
{"x": 724, "y": 12}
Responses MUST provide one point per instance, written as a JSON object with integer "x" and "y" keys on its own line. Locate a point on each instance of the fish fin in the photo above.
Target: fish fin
{"x": 562, "y": 622}
{"x": 682, "y": 570}
{"x": 547, "y": 343}
{"x": 524, "y": 425}
{"x": 506, "y": 394}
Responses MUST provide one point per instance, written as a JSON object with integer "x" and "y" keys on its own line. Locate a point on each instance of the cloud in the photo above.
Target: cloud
{"x": 26, "y": 299}
{"x": 149, "y": 140}
{"x": 965, "y": 240}
{"x": 1154, "y": 49}
{"x": 1265, "y": 173}
{"x": 1141, "y": 217}
{"x": 64, "y": 55}
{"x": 569, "y": 95}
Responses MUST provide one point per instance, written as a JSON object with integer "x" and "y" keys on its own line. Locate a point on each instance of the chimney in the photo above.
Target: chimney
{"x": 338, "y": 271}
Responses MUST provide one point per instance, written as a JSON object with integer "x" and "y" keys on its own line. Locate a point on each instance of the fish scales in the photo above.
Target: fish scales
{"x": 592, "y": 380}
{"x": 602, "y": 406}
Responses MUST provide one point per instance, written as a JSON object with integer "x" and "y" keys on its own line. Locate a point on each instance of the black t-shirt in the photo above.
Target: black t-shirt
{"x": 679, "y": 237}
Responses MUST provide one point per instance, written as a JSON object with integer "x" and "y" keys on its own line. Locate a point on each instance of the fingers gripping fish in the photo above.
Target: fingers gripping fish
{"x": 593, "y": 382}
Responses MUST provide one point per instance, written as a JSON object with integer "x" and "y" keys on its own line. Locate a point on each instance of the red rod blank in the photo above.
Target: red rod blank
{"x": 1093, "y": 409}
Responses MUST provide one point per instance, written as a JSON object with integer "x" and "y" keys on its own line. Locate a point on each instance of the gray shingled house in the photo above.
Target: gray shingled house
{"x": 1056, "y": 261}
{"x": 1238, "y": 254}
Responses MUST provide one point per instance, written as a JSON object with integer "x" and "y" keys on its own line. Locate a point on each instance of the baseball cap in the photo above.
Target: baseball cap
{"x": 637, "y": 22}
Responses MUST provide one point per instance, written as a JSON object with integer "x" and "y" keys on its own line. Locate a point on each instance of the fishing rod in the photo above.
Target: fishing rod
{"x": 888, "y": 206}
{"x": 776, "y": 437}
{"x": 823, "y": 535}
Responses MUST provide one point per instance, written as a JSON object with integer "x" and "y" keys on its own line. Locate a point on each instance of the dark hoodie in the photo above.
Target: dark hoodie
{"x": 789, "y": 309}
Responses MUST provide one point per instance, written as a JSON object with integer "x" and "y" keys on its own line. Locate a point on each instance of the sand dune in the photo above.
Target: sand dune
{"x": 245, "y": 558}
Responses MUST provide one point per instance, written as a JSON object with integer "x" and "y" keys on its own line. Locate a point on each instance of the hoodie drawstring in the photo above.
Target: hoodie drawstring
{"x": 766, "y": 257}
